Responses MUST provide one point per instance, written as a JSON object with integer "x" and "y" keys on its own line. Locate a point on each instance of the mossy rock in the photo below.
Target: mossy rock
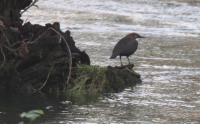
{"x": 116, "y": 83}
{"x": 97, "y": 79}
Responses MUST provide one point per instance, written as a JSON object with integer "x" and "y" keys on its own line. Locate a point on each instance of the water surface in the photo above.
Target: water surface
{"x": 168, "y": 59}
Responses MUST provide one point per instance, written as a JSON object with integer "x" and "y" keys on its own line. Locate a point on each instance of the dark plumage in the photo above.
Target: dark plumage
{"x": 126, "y": 46}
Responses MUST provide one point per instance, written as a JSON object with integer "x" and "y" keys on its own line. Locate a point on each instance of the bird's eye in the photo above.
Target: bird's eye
{"x": 135, "y": 35}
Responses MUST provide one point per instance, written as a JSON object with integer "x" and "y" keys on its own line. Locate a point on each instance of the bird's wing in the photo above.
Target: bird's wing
{"x": 125, "y": 45}
{"x": 121, "y": 45}
{"x": 132, "y": 46}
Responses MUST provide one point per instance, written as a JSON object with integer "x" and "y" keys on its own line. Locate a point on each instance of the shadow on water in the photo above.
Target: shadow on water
{"x": 12, "y": 104}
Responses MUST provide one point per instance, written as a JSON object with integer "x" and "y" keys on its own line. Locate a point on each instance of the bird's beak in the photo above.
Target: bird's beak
{"x": 142, "y": 37}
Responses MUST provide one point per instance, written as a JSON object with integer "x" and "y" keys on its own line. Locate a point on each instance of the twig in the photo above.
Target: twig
{"x": 15, "y": 43}
{"x": 50, "y": 28}
{"x": 5, "y": 37}
{"x": 4, "y": 58}
{"x": 27, "y": 43}
{"x": 70, "y": 56}
{"x": 20, "y": 41}
{"x": 47, "y": 77}
{"x": 32, "y": 4}
{"x": 26, "y": 20}
{"x": 60, "y": 40}
{"x": 9, "y": 48}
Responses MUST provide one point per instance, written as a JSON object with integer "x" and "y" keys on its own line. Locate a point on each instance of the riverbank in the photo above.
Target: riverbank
{"x": 46, "y": 58}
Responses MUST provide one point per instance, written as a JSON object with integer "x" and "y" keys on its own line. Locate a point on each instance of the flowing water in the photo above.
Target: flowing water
{"x": 168, "y": 59}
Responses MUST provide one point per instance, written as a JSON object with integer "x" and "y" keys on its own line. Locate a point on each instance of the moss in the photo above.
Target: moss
{"x": 91, "y": 78}
{"x": 96, "y": 79}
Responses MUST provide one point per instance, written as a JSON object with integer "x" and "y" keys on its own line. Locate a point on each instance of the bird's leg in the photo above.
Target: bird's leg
{"x": 120, "y": 60}
{"x": 128, "y": 60}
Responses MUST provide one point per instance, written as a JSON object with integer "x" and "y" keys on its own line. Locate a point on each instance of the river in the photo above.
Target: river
{"x": 168, "y": 59}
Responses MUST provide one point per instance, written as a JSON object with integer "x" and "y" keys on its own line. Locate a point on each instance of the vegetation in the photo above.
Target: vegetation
{"x": 91, "y": 78}
{"x": 31, "y": 115}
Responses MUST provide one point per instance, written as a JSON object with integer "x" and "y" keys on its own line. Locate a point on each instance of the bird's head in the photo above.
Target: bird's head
{"x": 136, "y": 36}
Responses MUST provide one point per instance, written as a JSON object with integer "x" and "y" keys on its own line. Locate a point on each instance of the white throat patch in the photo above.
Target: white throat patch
{"x": 137, "y": 39}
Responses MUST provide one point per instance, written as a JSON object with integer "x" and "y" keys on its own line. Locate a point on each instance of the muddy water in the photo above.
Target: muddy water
{"x": 168, "y": 59}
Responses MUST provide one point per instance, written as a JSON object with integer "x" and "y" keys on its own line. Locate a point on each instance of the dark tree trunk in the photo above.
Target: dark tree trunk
{"x": 10, "y": 11}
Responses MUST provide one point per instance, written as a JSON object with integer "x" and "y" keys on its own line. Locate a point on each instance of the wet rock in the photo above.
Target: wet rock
{"x": 121, "y": 77}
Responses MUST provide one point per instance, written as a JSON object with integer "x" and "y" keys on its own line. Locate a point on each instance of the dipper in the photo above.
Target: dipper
{"x": 126, "y": 46}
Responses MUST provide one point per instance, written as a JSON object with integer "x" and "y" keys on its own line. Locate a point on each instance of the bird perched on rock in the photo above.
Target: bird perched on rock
{"x": 126, "y": 46}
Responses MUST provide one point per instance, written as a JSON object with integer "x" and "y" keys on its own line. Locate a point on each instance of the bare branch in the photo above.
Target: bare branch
{"x": 60, "y": 40}
{"x": 4, "y": 58}
{"x": 61, "y": 36}
{"x": 5, "y": 37}
{"x": 32, "y": 4}
{"x": 70, "y": 56}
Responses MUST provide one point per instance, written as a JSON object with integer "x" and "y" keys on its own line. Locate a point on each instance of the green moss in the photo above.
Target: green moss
{"x": 91, "y": 78}
{"x": 96, "y": 79}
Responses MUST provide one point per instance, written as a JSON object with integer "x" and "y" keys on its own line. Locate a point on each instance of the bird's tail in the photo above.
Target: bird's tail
{"x": 113, "y": 56}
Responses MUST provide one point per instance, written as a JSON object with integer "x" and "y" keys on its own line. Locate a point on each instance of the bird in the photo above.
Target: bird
{"x": 126, "y": 46}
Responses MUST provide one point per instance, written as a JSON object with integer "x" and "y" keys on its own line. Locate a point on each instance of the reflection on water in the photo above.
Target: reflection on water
{"x": 168, "y": 59}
